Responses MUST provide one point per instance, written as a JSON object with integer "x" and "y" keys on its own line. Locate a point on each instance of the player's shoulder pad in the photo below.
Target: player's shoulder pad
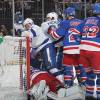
{"x": 44, "y": 23}
{"x": 36, "y": 27}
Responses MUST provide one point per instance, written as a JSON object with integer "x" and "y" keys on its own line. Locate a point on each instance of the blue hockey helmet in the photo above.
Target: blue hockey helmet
{"x": 96, "y": 8}
{"x": 69, "y": 11}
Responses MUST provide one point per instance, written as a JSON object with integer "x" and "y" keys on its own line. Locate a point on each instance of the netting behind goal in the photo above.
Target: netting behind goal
{"x": 14, "y": 66}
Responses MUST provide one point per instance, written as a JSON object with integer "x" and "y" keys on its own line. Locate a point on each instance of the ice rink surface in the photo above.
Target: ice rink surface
{"x": 9, "y": 83}
{"x": 11, "y": 94}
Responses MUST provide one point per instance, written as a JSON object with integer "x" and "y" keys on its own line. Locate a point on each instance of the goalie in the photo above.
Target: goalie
{"x": 44, "y": 86}
{"x": 42, "y": 82}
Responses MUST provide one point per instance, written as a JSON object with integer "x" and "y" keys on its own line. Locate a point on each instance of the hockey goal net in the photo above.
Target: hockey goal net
{"x": 14, "y": 67}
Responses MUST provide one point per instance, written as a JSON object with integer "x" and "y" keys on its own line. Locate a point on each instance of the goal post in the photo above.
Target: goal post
{"x": 15, "y": 63}
{"x": 28, "y": 61}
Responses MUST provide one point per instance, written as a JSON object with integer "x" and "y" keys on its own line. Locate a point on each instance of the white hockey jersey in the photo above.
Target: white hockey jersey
{"x": 46, "y": 25}
{"x": 38, "y": 38}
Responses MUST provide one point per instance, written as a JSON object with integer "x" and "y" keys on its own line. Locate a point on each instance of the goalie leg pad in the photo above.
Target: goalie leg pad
{"x": 38, "y": 89}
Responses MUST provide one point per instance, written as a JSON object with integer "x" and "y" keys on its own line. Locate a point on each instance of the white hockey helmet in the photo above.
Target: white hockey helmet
{"x": 52, "y": 16}
{"x": 28, "y": 21}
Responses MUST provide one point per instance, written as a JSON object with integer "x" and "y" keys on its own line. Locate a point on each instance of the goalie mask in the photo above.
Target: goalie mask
{"x": 52, "y": 16}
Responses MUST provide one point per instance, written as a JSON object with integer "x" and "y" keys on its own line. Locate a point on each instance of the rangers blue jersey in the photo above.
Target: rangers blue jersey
{"x": 90, "y": 30}
{"x": 68, "y": 30}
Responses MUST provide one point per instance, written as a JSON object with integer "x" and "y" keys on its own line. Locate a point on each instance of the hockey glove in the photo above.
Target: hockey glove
{"x": 51, "y": 29}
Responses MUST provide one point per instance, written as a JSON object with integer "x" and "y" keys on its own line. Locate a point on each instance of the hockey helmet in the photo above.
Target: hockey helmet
{"x": 52, "y": 16}
{"x": 96, "y": 8}
{"x": 69, "y": 11}
{"x": 28, "y": 21}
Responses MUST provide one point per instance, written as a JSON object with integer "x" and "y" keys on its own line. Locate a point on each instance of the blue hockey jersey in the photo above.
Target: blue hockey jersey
{"x": 90, "y": 30}
{"x": 68, "y": 30}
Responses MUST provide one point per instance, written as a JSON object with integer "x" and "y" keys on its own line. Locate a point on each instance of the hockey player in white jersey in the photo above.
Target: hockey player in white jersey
{"x": 35, "y": 33}
{"x": 41, "y": 43}
{"x": 52, "y": 21}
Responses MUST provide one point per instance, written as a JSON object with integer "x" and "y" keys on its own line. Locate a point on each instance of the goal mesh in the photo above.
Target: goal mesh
{"x": 14, "y": 68}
